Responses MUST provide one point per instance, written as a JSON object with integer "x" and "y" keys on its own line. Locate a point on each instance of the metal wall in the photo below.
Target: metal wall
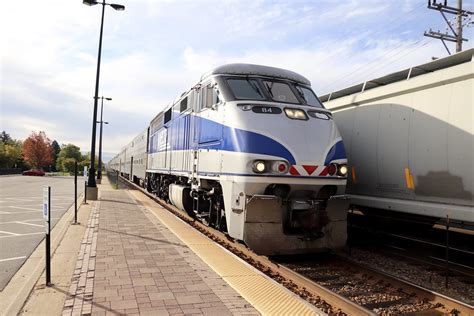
{"x": 410, "y": 143}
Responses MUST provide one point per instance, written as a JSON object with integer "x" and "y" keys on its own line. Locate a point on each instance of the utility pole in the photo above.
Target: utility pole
{"x": 456, "y": 35}
{"x": 459, "y": 33}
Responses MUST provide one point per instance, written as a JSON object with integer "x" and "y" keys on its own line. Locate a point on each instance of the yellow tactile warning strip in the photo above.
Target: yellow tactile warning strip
{"x": 265, "y": 295}
{"x": 268, "y": 296}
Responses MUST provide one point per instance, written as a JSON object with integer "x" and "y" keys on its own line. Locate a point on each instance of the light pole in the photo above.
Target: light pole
{"x": 99, "y": 168}
{"x": 91, "y": 183}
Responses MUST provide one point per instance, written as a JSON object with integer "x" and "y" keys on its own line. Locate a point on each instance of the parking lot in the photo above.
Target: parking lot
{"x": 21, "y": 223}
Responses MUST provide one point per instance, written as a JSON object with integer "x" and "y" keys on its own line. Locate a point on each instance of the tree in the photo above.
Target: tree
{"x": 67, "y": 154}
{"x": 68, "y": 164}
{"x": 37, "y": 150}
{"x": 56, "y": 150}
{"x": 86, "y": 161}
{"x": 5, "y": 137}
{"x": 10, "y": 152}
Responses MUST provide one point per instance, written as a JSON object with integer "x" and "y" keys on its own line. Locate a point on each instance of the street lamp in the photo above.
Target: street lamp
{"x": 91, "y": 183}
{"x": 99, "y": 168}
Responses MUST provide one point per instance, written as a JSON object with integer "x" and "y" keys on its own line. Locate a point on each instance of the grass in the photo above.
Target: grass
{"x": 57, "y": 174}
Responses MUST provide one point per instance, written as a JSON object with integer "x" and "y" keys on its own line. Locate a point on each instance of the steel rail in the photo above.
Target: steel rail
{"x": 448, "y": 303}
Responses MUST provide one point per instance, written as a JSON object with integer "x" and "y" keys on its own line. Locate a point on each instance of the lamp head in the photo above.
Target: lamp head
{"x": 89, "y": 2}
{"x": 110, "y": 99}
{"x": 117, "y": 7}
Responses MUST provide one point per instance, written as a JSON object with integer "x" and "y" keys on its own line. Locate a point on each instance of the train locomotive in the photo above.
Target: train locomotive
{"x": 249, "y": 150}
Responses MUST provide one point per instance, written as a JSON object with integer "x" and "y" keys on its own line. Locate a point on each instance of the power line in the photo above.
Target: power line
{"x": 395, "y": 24}
{"x": 456, "y": 35}
{"x": 388, "y": 57}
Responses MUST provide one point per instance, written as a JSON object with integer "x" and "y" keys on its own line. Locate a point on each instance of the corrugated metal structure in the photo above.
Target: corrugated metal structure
{"x": 409, "y": 138}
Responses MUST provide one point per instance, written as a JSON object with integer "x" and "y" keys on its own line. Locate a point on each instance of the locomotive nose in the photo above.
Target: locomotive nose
{"x": 317, "y": 144}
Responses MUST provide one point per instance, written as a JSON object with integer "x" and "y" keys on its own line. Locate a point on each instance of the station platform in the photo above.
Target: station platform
{"x": 136, "y": 258}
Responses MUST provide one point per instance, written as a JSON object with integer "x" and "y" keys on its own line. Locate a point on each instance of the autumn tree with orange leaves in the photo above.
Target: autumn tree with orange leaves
{"x": 38, "y": 151}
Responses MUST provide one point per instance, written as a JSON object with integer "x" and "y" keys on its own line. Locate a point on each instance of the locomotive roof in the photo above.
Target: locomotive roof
{"x": 259, "y": 70}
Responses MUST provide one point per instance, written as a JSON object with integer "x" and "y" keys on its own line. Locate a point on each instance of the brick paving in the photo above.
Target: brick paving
{"x": 140, "y": 268}
{"x": 79, "y": 298}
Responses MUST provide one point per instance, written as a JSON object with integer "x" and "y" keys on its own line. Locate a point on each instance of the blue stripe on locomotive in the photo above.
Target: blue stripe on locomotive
{"x": 238, "y": 140}
{"x": 217, "y": 136}
{"x": 336, "y": 152}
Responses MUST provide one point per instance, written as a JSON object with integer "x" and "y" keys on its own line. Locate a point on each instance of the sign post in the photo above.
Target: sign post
{"x": 85, "y": 184}
{"x": 47, "y": 223}
{"x": 75, "y": 192}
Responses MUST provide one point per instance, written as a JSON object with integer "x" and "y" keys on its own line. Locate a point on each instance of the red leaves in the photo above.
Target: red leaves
{"x": 37, "y": 150}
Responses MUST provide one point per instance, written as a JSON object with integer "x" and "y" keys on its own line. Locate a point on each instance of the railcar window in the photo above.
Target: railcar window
{"x": 209, "y": 96}
{"x": 309, "y": 96}
{"x": 168, "y": 115}
{"x": 203, "y": 98}
{"x": 245, "y": 89}
{"x": 183, "y": 104}
{"x": 280, "y": 92}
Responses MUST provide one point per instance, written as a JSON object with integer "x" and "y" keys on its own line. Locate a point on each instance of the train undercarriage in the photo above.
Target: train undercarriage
{"x": 282, "y": 219}
{"x": 205, "y": 203}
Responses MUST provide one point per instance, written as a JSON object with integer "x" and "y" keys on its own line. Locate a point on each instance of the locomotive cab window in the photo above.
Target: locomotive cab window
{"x": 280, "y": 92}
{"x": 309, "y": 97}
{"x": 246, "y": 89}
{"x": 209, "y": 97}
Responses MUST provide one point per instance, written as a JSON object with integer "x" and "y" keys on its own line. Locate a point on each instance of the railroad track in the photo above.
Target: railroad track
{"x": 300, "y": 280}
{"x": 382, "y": 293}
{"x": 418, "y": 256}
{"x": 421, "y": 240}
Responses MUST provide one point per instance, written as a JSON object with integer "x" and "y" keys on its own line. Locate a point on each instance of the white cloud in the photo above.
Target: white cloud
{"x": 156, "y": 49}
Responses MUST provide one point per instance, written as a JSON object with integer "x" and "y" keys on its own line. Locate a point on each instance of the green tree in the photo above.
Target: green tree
{"x": 67, "y": 153}
{"x": 10, "y": 152}
{"x": 56, "y": 150}
{"x": 86, "y": 161}
{"x": 68, "y": 165}
{"x": 5, "y": 137}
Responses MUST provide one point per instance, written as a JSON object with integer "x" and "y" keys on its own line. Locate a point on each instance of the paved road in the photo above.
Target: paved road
{"x": 21, "y": 221}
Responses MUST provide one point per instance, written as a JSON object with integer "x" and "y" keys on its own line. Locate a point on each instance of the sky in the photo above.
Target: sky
{"x": 157, "y": 49}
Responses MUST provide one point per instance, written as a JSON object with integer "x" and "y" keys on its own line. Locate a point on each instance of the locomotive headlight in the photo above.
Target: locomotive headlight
{"x": 245, "y": 107}
{"x": 259, "y": 166}
{"x": 342, "y": 170}
{"x": 296, "y": 114}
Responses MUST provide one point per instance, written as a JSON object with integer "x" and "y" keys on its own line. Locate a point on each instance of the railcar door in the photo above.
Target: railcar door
{"x": 208, "y": 129}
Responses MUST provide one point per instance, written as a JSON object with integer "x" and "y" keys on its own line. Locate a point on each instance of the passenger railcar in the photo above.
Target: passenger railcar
{"x": 251, "y": 151}
{"x": 409, "y": 139}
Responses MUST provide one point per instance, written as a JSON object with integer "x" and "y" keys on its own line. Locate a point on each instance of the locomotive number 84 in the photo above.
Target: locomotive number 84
{"x": 249, "y": 150}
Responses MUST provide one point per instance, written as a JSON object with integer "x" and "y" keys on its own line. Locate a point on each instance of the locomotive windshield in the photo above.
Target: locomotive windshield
{"x": 309, "y": 96}
{"x": 272, "y": 90}
{"x": 280, "y": 92}
{"x": 246, "y": 89}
